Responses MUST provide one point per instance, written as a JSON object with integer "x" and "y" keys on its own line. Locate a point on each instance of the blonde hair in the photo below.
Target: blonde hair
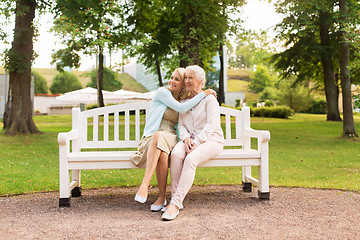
{"x": 182, "y": 72}
{"x": 199, "y": 72}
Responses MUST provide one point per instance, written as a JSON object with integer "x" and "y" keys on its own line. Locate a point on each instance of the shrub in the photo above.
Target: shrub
{"x": 110, "y": 81}
{"x": 237, "y": 102}
{"x": 40, "y": 83}
{"x": 65, "y": 82}
{"x": 296, "y": 97}
{"x": 318, "y": 106}
{"x": 269, "y": 93}
{"x": 269, "y": 103}
{"x": 274, "y": 112}
{"x": 91, "y": 106}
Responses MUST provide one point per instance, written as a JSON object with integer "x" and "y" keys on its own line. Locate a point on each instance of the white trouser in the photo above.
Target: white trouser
{"x": 183, "y": 167}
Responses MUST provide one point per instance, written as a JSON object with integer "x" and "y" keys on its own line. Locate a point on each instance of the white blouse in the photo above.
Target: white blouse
{"x": 202, "y": 122}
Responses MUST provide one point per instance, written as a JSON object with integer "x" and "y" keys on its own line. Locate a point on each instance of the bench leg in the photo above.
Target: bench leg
{"x": 76, "y": 176}
{"x": 64, "y": 181}
{"x": 264, "y": 191}
{"x": 76, "y": 192}
{"x": 264, "y": 195}
{"x": 64, "y": 202}
{"x": 247, "y": 186}
{"x": 246, "y": 172}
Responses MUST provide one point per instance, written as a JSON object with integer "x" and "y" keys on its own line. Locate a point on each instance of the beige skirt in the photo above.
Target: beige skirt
{"x": 166, "y": 143}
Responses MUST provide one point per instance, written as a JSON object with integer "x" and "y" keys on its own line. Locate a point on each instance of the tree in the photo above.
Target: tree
{"x": 110, "y": 81}
{"x": 252, "y": 49}
{"x": 294, "y": 96}
{"x": 65, "y": 82}
{"x": 89, "y": 26}
{"x": 40, "y": 83}
{"x": 18, "y": 112}
{"x": 193, "y": 35}
{"x": 309, "y": 31}
{"x": 260, "y": 80}
{"x": 348, "y": 122}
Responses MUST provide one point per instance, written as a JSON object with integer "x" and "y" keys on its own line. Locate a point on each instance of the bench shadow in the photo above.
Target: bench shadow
{"x": 123, "y": 199}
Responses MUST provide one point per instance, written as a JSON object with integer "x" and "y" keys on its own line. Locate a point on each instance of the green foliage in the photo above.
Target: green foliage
{"x": 88, "y": 27}
{"x": 191, "y": 36}
{"x": 260, "y": 80}
{"x": 110, "y": 80}
{"x": 269, "y": 103}
{"x": 272, "y": 112}
{"x": 294, "y": 96}
{"x": 39, "y": 82}
{"x": 318, "y": 106}
{"x": 252, "y": 49}
{"x": 357, "y": 103}
{"x": 91, "y": 106}
{"x": 269, "y": 93}
{"x": 65, "y": 82}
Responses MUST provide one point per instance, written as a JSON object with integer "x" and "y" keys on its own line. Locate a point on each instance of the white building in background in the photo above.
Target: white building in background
{"x": 4, "y": 88}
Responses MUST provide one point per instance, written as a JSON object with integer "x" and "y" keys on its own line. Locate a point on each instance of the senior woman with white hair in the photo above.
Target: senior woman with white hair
{"x": 201, "y": 139}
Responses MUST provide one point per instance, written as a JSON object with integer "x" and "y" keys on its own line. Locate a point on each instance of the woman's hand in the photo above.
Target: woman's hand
{"x": 189, "y": 145}
{"x": 210, "y": 91}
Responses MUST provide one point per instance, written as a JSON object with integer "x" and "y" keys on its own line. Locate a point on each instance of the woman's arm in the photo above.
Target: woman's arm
{"x": 183, "y": 131}
{"x": 164, "y": 95}
{"x": 212, "y": 120}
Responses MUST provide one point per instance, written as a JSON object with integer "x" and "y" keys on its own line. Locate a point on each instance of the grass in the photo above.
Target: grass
{"x": 130, "y": 84}
{"x": 235, "y": 85}
{"x": 305, "y": 151}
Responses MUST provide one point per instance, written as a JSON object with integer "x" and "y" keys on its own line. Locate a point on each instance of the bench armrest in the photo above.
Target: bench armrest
{"x": 262, "y": 135}
{"x": 65, "y": 137}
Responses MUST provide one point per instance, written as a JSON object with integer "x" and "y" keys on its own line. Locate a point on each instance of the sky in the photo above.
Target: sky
{"x": 258, "y": 15}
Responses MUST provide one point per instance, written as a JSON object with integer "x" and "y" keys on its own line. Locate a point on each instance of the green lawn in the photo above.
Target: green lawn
{"x": 235, "y": 85}
{"x": 305, "y": 151}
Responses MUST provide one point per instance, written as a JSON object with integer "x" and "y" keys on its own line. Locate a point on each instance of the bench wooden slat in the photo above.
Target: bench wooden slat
{"x": 127, "y": 126}
{"x": 116, "y": 126}
{"x": 137, "y": 124}
{"x": 125, "y": 155}
{"x": 227, "y": 127}
{"x": 95, "y": 128}
{"x": 106, "y": 127}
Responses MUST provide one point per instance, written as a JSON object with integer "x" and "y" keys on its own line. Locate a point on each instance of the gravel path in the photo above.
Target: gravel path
{"x": 211, "y": 212}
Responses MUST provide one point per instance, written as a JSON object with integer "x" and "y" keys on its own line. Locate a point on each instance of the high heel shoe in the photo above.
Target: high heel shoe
{"x": 140, "y": 199}
{"x": 157, "y": 208}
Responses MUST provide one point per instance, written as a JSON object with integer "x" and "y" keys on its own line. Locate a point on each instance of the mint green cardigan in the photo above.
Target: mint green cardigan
{"x": 161, "y": 100}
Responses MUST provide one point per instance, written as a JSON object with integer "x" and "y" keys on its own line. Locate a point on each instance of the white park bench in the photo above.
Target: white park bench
{"x": 104, "y": 138}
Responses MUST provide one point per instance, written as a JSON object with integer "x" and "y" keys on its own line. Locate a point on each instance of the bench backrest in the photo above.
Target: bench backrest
{"x": 120, "y": 126}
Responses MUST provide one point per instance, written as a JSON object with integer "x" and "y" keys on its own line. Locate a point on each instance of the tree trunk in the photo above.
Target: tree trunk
{"x": 348, "y": 123}
{"x": 183, "y": 53}
{"x": 100, "y": 77}
{"x": 221, "y": 75}
{"x": 158, "y": 71}
{"x": 328, "y": 70}
{"x": 18, "y": 112}
{"x": 190, "y": 50}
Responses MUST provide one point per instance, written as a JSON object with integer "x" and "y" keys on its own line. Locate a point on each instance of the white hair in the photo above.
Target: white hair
{"x": 199, "y": 72}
